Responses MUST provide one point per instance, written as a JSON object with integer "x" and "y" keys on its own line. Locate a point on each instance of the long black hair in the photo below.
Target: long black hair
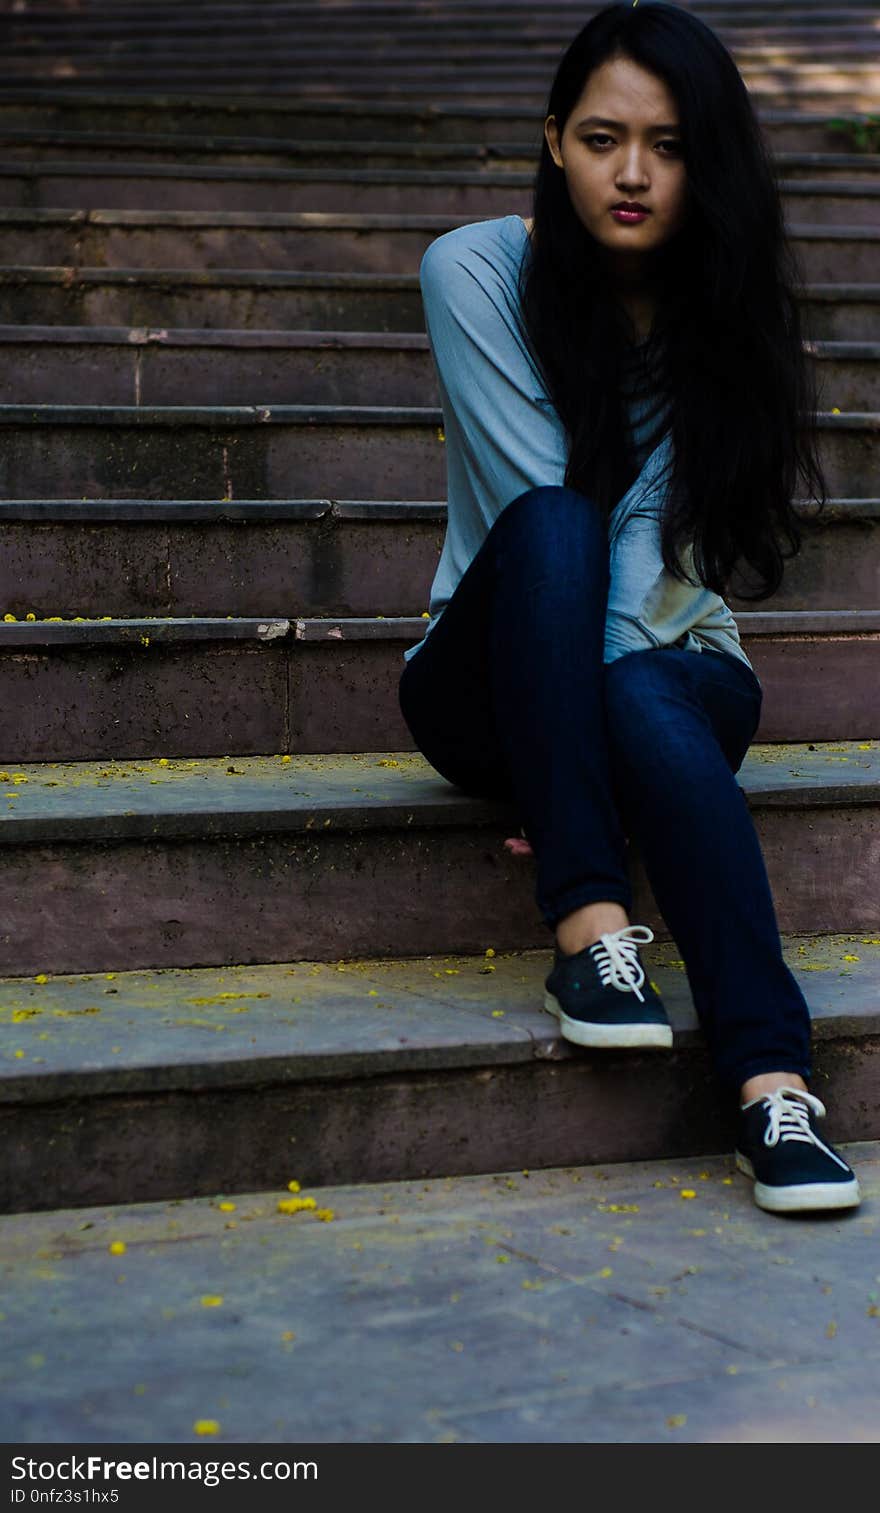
{"x": 727, "y": 344}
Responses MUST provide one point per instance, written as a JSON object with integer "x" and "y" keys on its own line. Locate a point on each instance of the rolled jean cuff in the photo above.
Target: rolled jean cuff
{"x": 586, "y": 893}
{"x": 759, "y": 1065}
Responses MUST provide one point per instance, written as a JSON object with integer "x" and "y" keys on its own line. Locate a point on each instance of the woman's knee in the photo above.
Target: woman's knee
{"x": 661, "y": 717}
{"x": 553, "y": 513}
{"x": 645, "y": 696}
{"x": 557, "y": 496}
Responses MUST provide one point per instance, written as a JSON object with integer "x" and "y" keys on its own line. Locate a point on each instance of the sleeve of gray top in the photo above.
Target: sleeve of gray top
{"x": 504, "y": 432}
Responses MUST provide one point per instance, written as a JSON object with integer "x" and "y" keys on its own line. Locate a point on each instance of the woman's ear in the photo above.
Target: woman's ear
{"x": 551, "y": 134}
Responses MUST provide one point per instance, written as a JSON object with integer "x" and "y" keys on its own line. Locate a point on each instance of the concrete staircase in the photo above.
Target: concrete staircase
{"x": 243, "y": 922}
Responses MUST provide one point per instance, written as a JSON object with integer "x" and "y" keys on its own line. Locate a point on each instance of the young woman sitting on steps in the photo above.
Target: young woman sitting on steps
{"x": 628, "y": 409}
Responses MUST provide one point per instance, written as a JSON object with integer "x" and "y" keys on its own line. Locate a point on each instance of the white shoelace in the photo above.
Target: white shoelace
{"x": 791, "y": 1120}
{"x": 615, "y": 956}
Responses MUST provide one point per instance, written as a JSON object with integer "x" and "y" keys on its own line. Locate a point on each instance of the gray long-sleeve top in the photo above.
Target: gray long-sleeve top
{"x": 504, "y": 436}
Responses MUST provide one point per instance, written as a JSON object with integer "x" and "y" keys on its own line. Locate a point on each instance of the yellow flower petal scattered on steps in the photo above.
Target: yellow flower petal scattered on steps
{"x": 294, "y": 1205}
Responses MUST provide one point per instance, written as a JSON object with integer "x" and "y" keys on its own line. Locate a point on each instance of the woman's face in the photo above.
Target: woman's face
{"x": 638, "y": 159}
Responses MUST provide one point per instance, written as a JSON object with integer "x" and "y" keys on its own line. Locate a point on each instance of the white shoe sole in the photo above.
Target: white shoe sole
{"x": 801, "y": 1195}
{"x": 608, "y": 1036}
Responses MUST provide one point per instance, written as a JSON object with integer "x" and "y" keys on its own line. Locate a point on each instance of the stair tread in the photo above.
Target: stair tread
{"x": 486, "y": 177}
{"x": 242, "y": 336}
{"x": 42, "y": 92}
{"x": 85, "y": 631}
{"x": 620, "y": 1314}
{"x": 405, "y": 151}
{"x": 338, "y": 220}
{"x": 304, "y": 509}
{"x": 231, "y": 794}
{"x": 97, "y": 1034}
{"x": 221, "y": 415}
{"x": 842, "y": 292}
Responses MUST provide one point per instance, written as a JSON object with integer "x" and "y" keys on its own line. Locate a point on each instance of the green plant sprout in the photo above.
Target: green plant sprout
{"x": 864, "y": 131}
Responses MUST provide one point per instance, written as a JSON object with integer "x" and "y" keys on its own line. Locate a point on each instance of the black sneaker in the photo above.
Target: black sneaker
{"x": 792, "y": 1168}
{"x": 598, "y": 996}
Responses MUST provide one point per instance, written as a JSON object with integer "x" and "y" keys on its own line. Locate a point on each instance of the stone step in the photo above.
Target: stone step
{"x": 119, "y": 366}
{"x": 63, "y": 21}
{"x": 831, "y": 93}
{"x": 527, "y": 56}
{"x": 820, "y": 30}
{"x": 238, "y": 860}
{"x": 441, "y": 39}
{"x": 619, "y": 1314}
{"x": 147, "y": 244}
{"x": 478, "y": 76}
{"x": 317, "y": 121}
{"x": 269, "y": 451}
{"x": 258, "y": 299}
{"x": 854, "y": 88}
{"x": 381, "y": 191}
{"x": 81, "y": 689}
{"x": 313, "y": 558}
{"x": 55, "y": 144}
{"x": 380, "y": 12}
{"x": 127, "y": 688}
{"x": 113, "y": 1087}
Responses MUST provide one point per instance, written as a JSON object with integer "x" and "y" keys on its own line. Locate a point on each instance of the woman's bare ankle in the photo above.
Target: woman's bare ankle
{"x": 584, "y": 926}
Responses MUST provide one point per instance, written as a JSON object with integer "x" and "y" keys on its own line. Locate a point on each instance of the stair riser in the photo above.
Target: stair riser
{"x": 845, "y": 93}
{"x": 134, "y": 24}
{"x": 139, "y": 1149}
{"x": 730, "y": 20}
{"x": 294, "y": 568}
{"x": 853, "y": 86}
{"x": 252, "y": 308}
{"x": 462, "y": 201}
{"x": 206, "y": 699}
{"x": 507, "y": 157}
{"x": 411, "y": 43}
{"x": 422, "y": 12}
{"x": 262, "y": 897}
{"x": 529, "y": 59}
{"x": 303, "y": 249}
{"x": 280, "y": 460}
{"x": 317, "y": 123}
{"x": 155, "y": 374}
{"x": 212, "y": 307}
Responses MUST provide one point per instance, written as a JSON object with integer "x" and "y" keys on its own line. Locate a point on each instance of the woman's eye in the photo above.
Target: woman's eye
{"x": 672, "y": 144}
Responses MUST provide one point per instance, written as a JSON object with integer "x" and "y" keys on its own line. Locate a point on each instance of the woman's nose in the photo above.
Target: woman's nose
{"x": 633, "y": 169}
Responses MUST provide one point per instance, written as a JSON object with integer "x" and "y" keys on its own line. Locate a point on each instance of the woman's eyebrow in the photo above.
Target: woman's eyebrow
{"x": 620, "y": 125}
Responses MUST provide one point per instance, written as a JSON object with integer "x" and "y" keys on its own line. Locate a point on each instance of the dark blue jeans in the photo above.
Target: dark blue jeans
{"x": 509, "y": 698}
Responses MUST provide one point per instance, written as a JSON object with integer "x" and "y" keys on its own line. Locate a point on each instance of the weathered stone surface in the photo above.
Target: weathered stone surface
{"x": 582, "y": 1304}
{"x": 305, "y": 559}
{"x": 193, "y": 289}
{"x": 131, "y": 688}
{"x": 161, "y": 366}
{"x": 360, "y": 855}
{"x": 273, "y": 451}
{"x": 384, "y": 191}
{"x": 283, "y": 114}
{"x": 116, "y": 1087}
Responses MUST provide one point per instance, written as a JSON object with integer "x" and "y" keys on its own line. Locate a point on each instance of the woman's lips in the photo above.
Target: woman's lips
{"x": 630, "y": 217}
